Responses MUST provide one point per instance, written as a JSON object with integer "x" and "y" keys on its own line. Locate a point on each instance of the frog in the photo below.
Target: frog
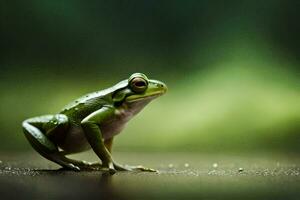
{"x": 91, "y": 122}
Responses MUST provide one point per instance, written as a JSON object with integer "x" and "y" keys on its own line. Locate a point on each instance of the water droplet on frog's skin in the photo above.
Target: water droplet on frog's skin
{"x": 54, "y": 122}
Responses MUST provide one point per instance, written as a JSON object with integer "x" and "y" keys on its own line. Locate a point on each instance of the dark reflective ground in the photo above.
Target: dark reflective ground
{"x": 181, "y": 176}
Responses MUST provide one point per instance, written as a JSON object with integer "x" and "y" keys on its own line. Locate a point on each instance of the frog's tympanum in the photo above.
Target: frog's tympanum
{"x": 92, "y": 121}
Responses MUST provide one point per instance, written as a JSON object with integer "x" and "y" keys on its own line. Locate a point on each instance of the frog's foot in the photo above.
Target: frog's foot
{"x": 144, "y": 169}
{"x": 70, "y": 166}
{"x": 133, "y": 168}
{"x": 90, "y": 166}
{"x": 63, "y": 161}
{"x": 84, "y": 165}
{"x": 97, "y": 167}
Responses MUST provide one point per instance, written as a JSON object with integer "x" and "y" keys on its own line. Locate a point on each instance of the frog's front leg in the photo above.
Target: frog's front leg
{"x": 36, "y": 131}
{"x": 108, "y": 143}
{"x": 91, "y": 126}
{"x": 96, "y": 165}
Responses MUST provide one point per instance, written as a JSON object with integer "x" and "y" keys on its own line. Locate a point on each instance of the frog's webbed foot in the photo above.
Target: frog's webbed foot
{"x": 133, "y": 168}
{"x": 142, "y": 168}
{"x": 65, "y": 162}
{"x": 101, "y": 167}
{"x": 97, "y": 166}
{"x": 84, "y": 165}
{"x": 91, "y": 166}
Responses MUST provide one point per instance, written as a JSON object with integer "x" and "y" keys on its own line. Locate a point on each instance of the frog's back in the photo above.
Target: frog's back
{"x": 91, "y": 102}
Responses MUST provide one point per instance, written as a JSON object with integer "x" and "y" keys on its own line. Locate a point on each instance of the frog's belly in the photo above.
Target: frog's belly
{"x": 75, "y": 140}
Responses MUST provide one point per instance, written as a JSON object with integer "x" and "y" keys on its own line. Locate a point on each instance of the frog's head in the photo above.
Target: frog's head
{"x": 139, "y": 90}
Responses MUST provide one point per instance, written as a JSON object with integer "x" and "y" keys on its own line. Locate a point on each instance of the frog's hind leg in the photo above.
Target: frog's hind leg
{"x": 35, "y": 130}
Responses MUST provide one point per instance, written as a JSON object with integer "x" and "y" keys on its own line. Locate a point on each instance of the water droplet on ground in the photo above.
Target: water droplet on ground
{"x": 186, "y": 165}
{"x": 215, "y": 165}
{"x": 241, "y": 169}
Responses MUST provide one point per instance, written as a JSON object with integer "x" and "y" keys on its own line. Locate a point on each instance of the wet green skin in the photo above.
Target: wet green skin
{"x": 92, "y": 121}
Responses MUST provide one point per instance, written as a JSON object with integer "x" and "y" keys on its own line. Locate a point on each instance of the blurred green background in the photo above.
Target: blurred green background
{"x": 232, "y": 68}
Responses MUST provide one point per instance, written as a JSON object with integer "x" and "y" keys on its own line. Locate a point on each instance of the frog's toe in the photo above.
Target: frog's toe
{"x": 72, "y": 167}
{"x": 95, "y": 164}
{"x": 144, "y": 169}
{"x": 133, "y": 168}
{"x": 112, "y": 171}
{"x": 109, "y": 170}
{"x": 91, "y": 166}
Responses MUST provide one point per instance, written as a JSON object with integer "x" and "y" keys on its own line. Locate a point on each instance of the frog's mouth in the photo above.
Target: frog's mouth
{"x": 135, "y": 98}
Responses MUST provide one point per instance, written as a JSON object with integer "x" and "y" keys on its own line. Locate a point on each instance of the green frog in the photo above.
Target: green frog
{"x": 91, "y": 122}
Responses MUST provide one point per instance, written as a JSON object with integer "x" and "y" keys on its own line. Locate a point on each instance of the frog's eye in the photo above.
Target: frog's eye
{"x": 138, "y": 84}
